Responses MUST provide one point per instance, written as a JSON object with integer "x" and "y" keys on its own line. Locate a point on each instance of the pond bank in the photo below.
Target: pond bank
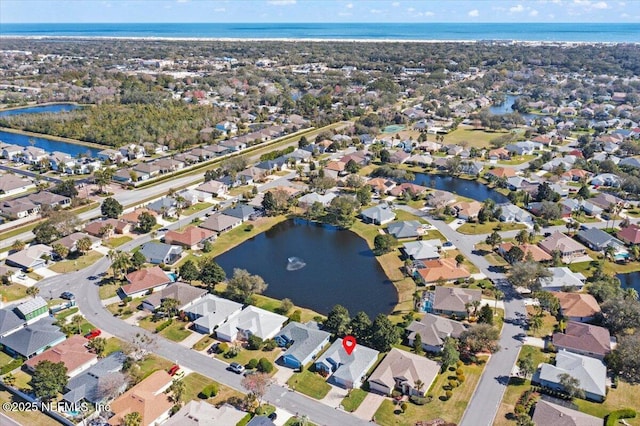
{"x": 54, "y": 138}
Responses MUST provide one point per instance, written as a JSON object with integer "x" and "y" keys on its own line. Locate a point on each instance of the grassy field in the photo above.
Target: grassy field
{"x": 12, "y": 292}
{"x": 154, "y": 363}
{"x": 107, "y": 291}
{"x": 175, "y": 332}
{"x": 488, "y": 227}
{"x": 63, "y": 315}
{"x": 4, "y": 359}
{"x": 519, "y": 159}
{"x": 31, "y": 418}
{"x": 548, "y": 323}
{"x": 353, "y": 401}
{"x": 195, "y": 208}
{"x": 196, "y": 382}
{"x": 310, "y": 384}
{"x": 66, "y": 266}
{"x": 113, "y": 344}
{"x": 588, "y": 268}
{"x": 116, "y": 242}
{"x": 474, "y": 138}
{"x": 450, "y": 410}
{"x": 404, "y": 215}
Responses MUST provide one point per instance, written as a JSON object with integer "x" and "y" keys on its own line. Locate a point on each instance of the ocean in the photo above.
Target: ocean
{"x": 545, "y": 32}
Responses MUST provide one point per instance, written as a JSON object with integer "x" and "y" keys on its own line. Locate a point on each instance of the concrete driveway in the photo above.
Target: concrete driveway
{"x": 283, "y": 375}
{"x": 334, "y": 397}
{"x": 369, "y": 406}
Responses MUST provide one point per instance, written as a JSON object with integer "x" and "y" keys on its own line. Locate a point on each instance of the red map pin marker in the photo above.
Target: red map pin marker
{"x": 349, "y": 344}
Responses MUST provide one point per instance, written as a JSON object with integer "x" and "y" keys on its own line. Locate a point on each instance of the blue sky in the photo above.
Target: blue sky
{"x": 14, "y": 11}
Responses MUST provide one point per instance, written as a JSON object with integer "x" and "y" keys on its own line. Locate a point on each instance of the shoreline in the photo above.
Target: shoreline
{"x": 319, "y": 40}
{"x": 54, "y": 138}
{"x": 41, "y": 105}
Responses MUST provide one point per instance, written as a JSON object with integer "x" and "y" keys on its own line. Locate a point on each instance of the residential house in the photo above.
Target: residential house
{"x": 590, "y": 372}
{"x": 168, "y": 165}
{"x": 302, "y": 342}
{"x": 583, "y": 339}
{"x": 59, "y": 161}
{"x": 249, "y": 175}
{"x": 260, "y": 421}
{"x": 500, "y": 173}
{"x": 145, "y": 280}
{"x": 12, "y": 152}
{"x": 298, "y": 156}
{"x": 440, "y": 269}
{"x": 433, "y": 331}
{"x": 220, "y": 223}
{"x": 568, "y": 248}
{"x": 380, "y": 214}
{"x": 201, "y": 413}
{"x": 110, "y": 155}
{"x": 71, "y": 241}
{"x": 107, "y": 228}
{"x": 335, "y": 169}
{"x": 408, "y": 188}
{"x": 347, "y": 370}
{"x": 11, "y": 185}
{"x": 73, "y": 353}
{"x": 399, "y": 157}
{"x": 536, "y": 253}
{"x": 133, "y": 217}
{"x": 161, "y": 253}
{"x": 402, "y": 370}
{"x": 453, "y": 301}
{"x": 251, "y": 321}
{"x": 46, "y": 198}
{"x": 577, "y": 306}
{"x": 18, "y": 208}
{"x": 590, "y": 209}
{"x": 147, "y": 398}
{"x": 33, "y": 339}
{"x": 10, "y": 321}
{"x": 33, "y": 257}
{"x": 33, "y": 155}
{"x": 630, "y": 234}
{"x": 606, "y": 179}
{"x": 563, "y": 278}
{"x": 191, "y": 238}
{"x": 467, "y": 210}
{"x": 547, "y": 413}
{"x": 211, "y": 311}
{"x": 381, "y": 185}
{"x": 576, "y": 175}
{"x": 87, "y": 386}
{"x": 511, "y": 213}
{"x": 499, "y": 154}
{"x": 422, "y": 250}
{"x": 269, "y": 166}
{"x": 164, "y": 207}
{"x": 605, "y": 201}
{"x": 309, "y": 199}
{"x": 420, "y": 160}
{"x": 233, "y": 145}
{"x": 243, "y": 212}
{"x": 185, "y": 294}
{"x": 471, "y": 168}
{"x": 132, "y": 151}
{"x": 523, "y": 148}
{"x": 210, "y": 190}
{"x": 406, "y": 229}
{"x": 598, "y": 240}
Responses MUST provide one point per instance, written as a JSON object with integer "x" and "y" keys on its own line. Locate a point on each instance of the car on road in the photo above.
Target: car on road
{"x": 447, "y": 244}
{"x": 67, "y": 295}
{"x": 236, "y": 368}
{"x": 93, "y": 334}
{"x": 163, "y": 229}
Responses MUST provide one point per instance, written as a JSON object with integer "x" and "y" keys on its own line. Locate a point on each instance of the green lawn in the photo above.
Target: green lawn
{"x": 310, "y": 384}
{"x": 107, "y": 291}
{"x": 474, "y": 138}
{"x": 353, "y": 401}
{"x": 176, "y": 331}
{"x": 548, "y": 324}
{"x": 270, "y": 304}
{"x": 195, "y": 208}
{"x": 153, "y": 363}
{"x": 488, "y": 227}
{"x": 194, "y": 383}
{"x": 113, "y": 344}
{"x": 31, "y": 418}
{"x": 81, "y": 262}
{"x": 450, "y": 410}
{"x": 12, "y": 292}
{"x": 63, "y": 315}
{"x": 203, "y": 343}
{"x": 519, "y": 159}
{"x": 246, "y": 355}
{"x": 402, "y": 215}
{"x": 295, "y": 421}
{"x": 4, "y": 359}
{"x": 115, "y": 242}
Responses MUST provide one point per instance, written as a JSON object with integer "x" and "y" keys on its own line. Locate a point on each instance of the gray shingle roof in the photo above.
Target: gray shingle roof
{"x": 351, "y": 367}
{"x": 597, "y": 237}
{"x": 379, "y": 213}
{"x": 85, "y": 385}
{"x": 433, "y": 329}
{"x": 154, "y": 250}
{"x": 304, "y": 340}
{"x": 241, "y": 211}
{"x": 404, "y": 229}
{"x": 9, "y": 320}
{"x": 547, "y": 413}
{"x": 27, "y": 341}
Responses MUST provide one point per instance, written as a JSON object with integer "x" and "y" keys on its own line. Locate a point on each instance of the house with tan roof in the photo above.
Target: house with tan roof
{"x": 381, "y": 185}
{"x": 408, "y": 188}
{"x": 577, "y": 306}
{"x": 536, "y": 253}
{"x": 584, "y": 339}
{"x": 466, "y": 210}
{"x": 452, "y": 300}
{"x": 500, "y": 173}
{"x": 30, "y": 257}
{"x": 209, "y": 190}
{"x": 73, "y": 353}
{"x": 630, "y": 234}
{"x": 440, "y": 269}
{"x": 220, "y": 223}
{"x": 499, "y": 154}
{"x": 433, "y": 331}
{"x": 144, "y": 280}
{"x": 402, "y": 370}
{"x": 568, "y": 247}
{"x": 71, "y": 241}
{"x": 11, "y": 185}
{"x": 147, "y": 398}
{"x": 201, "y": 413}
{"x": 107, "y": 228}
{"x": 134, "y": 216}
{"x": 191, "y": 238}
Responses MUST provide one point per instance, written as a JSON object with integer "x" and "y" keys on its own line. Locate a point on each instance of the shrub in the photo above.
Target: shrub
{"x": 448, "y": 394}
{"x": 209, "y": 391}
{"x": 396, "y": 394}
{"x": 265, "y": 366}
{"x": 254, "y": 342}
{"x": 253, "y": 363}
{"x": 269, "y": 345}
{"x": 418, "y": 400}
{"x": 459, "y": 372}
{"x": 296, "y": 315}
{"x": 459, "y": 364}
{"x": 404, "y": 407}
{"x": 453, "y": 384}
{"x": 614, "y": 416}
{"x": 164, "y": 325}
{"x": 461, "y": 379}
{"x": 223, "y": 347}
{"x": 232, "y": 352}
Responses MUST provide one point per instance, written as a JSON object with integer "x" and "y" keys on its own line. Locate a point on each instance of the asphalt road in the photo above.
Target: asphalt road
{"x": 30, "y": 174}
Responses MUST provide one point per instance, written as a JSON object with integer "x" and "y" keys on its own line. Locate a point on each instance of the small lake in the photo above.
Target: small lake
{"x": 339, "y": 268}
{"x": 505, "y": 108}
{"x": 48, "y": 145}
{"x": 40, "y": 109}
{"x": 630, "y": 280}
{"x": 466, "y": 188}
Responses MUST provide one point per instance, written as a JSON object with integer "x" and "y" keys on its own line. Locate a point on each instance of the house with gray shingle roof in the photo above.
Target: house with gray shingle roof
{"x": 158, "y": 253}
{"x": 184, "y": 293}
{"x": 86, "y": 386}
{"x": 401, "y": 370}
{"x": 452, "y": 301}
{"x": 243, "y": 212}
{"x": 598, "y": 240}
{"x": 584, "y": 339}
{"x": 590, "y": 372}
{"x": 378, "y": 215}
{"x": 201, "y": 413}
{"x": 10, "y": 322}
{"x": 422, "y": 250}
{"x": 547, "y": 413}
{"x": 211, "y": 311}
{"x": 33, "y": 339}
{"x": 405, "y": 229}
{"x": 347, "y": 371}
{"x": 433, "y": 330}
{"x": 302, "y": 342}
{"x": 220, "y": 223}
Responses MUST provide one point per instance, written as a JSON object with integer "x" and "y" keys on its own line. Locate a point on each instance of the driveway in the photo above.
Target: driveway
{"x": 334, "y": 397}
{"x": 45, "y": 272}
{"x": 191, "y": 340}
{"x": 283, "y": 375}
{"x": 369, "y": 406}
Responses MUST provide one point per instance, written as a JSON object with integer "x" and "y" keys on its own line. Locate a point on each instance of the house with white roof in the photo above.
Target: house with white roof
{"x": 561, "y": 278}
{"x": 380, "y": 214}
{"x": 210, "y": 312}
{"x": 347, "y": 371}
{"x": 421, "y": 250}
{"x": 251, "y": 321}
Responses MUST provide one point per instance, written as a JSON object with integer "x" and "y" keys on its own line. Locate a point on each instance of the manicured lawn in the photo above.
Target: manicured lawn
{"x": 488, "y": 227}
{"x": 402, "y": 215}
{"x": 474, "y": 138}
{"x": 353, "y": 401}
{"x": 517, "y": 160}
{"x": 625, "y": 396}
{"x": 4, "y": 359}
{"x": 194, "y": 383}
{"x": 310, "y": 384}
{"x": 451, "y": 254}
{"x": 270, "y": 304}
{"x": 31, "y": 418}
{"x": 13, "y": 292}
{"x": 203, "y": 343}
{"x": 113, "y": 344}
{"x": 107, "y": 291}
{"x": 516, "y": 387}
{"x": 63, "y": 315}
{"x": 176, "y": 331}
{"x": 81, "y": 262}
{"x": 246, "y": 355}
{"x": 451, "y": 410}
{"x": 195, "y": 208}
{"x": 548, "y": 324}
{"x": 22, "y": 380}
{"x": 115, "y": 242}
{"x": 153, "y": 363}
{"x": 295, "y": 421}
{"x": 611, "y": 268}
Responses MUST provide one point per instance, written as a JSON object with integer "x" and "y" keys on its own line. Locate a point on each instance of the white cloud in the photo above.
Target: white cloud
{"x": 517, "y": 9}
{"x": 349, "y": 6}
{"x": 375, "y": 11}
{"x": 533, "y": 13}
{"x": 429, "y": 13}
{"x": 281, "y": 2}
{"x": 411, "y": 10}
{"x": 220, "y": 9}
{"x": 600, "y": 5}
{"x": 183, "y": 1}
{"x": 474, "y": 13}
{"x": 395, "y": 4}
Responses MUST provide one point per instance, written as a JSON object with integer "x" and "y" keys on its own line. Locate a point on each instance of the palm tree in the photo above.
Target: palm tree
{"x": 499, "y": 295}
{"x": 476, "y": 304}
{"x": 33, "y": 291}
{"x": 9, "y": 380}
{"x": 609, "y": 252}
{"x": 177, "y": 390}
{"x": 536, "y": 322}
{"x": 77, "y": 321}
{"x": 418, "y": 385}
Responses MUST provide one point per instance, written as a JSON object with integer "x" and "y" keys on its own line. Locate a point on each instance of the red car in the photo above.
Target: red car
{"x": 173, "y": 370}
{"x": 93, "y": 334}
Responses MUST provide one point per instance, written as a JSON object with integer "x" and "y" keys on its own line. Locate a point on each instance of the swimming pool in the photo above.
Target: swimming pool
{"x": 394, "y": 128}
